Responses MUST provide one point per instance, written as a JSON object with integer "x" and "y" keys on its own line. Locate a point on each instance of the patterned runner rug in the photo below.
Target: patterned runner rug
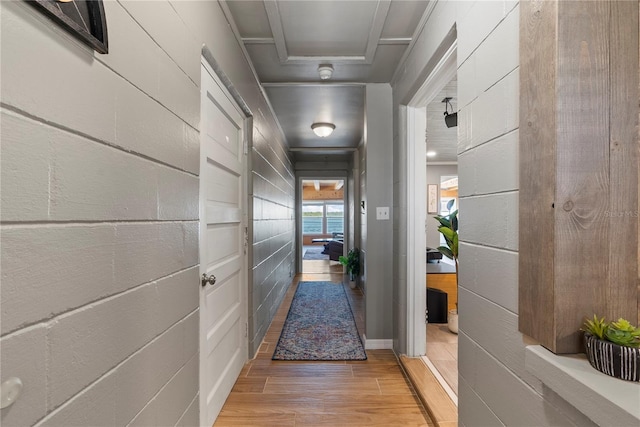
{"x": 320, "y": 326}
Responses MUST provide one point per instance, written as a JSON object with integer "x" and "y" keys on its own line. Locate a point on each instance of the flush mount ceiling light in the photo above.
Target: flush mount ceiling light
{"x": 323, "y": 129}
{"x": 450, "y": 119}
{"x": 325, "y": 71}
{"x": 431, "y": 153}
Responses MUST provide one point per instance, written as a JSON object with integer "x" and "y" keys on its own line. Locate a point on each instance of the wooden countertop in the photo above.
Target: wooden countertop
{"x": 441, "y": 275}
{"x": 440, "y": 267}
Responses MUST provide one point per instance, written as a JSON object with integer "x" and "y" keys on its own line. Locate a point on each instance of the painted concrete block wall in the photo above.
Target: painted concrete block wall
{"x": 495, "y": 388}
{"x": 273, "y": 221}
{"x": 99, "y": 191}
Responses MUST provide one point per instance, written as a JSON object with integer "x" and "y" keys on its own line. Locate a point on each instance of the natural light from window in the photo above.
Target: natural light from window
{"x": 322, "y": 217}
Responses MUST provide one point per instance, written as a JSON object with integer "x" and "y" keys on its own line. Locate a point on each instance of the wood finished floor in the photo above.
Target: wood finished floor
{"x": 442, "y": 351}
{"x": 374, "y": 392}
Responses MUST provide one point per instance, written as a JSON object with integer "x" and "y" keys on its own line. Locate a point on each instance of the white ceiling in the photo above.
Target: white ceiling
{"x": 297, "y": 109}
{"x": 287, "y": 40}
{"x": 440, "y": 138}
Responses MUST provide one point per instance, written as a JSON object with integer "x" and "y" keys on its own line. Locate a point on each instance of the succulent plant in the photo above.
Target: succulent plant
{"x": 596, "y": 327}
{"x": 621, "y": 332}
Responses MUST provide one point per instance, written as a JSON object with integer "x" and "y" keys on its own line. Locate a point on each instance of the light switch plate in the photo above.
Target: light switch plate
{"x": 382, "y": 213}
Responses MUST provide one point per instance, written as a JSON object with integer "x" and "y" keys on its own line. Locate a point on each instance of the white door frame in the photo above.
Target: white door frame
{"x": 311, "y": 175}
{"x": 224, "y": 84}
{"x": 413, "y": 131}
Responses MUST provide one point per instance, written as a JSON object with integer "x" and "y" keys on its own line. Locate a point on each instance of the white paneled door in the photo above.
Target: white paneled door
{"x": 223, "y": 315}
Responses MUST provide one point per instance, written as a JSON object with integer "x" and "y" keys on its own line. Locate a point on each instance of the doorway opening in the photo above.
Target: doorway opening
{"x": 442, "y": 171}
{"x": 432, "y": 152}
{"x": 323, "y": 225}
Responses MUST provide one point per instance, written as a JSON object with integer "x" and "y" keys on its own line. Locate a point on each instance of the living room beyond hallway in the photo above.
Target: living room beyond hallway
{"x": 315, "y": 262}
{"x": 442, "y": 355}
{"x": 442, "y": 344}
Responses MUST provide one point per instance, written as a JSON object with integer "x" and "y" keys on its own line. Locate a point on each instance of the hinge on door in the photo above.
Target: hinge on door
{"x": 248, "y": 129}
{"x": 246, "y": 329}
{"x": 246, "y": 239}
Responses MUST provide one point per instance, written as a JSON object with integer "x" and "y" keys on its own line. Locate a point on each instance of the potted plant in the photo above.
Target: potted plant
{"x": 613, "y": 348}
{"x": 449, "y": 229}
{"x": 352, "y": 263}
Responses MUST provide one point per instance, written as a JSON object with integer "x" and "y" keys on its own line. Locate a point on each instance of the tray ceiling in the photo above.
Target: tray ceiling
{"x": 286, "y": 41}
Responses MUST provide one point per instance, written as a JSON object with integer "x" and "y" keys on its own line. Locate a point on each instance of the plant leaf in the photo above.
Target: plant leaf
{"x": 447, "y": 232}
{"x": 454, "y": 222}
{"x": 596, "y": 327}
{"x": 445, "y": 251}
{"x": 454, "y": 245}
{"x": 450, "y": 204}
{"x": 444, "y": 221}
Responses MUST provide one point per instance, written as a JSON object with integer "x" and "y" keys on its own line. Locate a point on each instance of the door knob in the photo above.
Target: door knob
{"x": 208, "y": 279}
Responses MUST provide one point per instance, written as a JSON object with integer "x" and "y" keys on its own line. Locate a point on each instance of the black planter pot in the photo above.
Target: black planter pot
{"x": 613, "y": 359}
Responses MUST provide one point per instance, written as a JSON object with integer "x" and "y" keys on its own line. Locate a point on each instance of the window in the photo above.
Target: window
{"x": 312, "y": 218}
{"x": 334, "y": 217}
{"x": 322, "y": 217}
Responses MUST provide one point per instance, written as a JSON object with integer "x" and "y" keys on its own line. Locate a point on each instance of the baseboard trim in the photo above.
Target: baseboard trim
{"x": 378, "y": 344}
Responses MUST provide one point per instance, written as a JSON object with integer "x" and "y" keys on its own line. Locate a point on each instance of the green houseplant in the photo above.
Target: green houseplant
{"x": 613, "y": 348}
{"x": 351, "y": 262}
{"x": 449, "y": 229}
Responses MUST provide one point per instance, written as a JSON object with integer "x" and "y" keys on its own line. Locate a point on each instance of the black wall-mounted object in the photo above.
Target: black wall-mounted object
{"x": 84, "y": 19}
{"x": 450, "y": 119}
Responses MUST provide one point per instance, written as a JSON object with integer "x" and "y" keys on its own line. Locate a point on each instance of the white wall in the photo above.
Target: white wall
{"x": 362, "y": 211}
{"x": 100, "y": 158}
{"x": 378, "y": 191}
{"x": 495, "y": 388}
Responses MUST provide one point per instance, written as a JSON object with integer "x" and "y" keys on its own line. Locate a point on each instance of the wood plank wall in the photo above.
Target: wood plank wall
{"x": 537, "y": 168}
{"x": 623, "y": 161}
{"x": 325, "y": 193}
{"x": 578, "y": 237}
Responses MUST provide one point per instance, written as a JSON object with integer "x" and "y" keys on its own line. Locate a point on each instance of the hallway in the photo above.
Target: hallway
{"x": 107, "y": 184}
{"x": 278, "y": 393}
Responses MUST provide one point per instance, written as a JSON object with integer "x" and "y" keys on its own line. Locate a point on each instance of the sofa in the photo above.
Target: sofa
{"x": 335, "y": 249}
